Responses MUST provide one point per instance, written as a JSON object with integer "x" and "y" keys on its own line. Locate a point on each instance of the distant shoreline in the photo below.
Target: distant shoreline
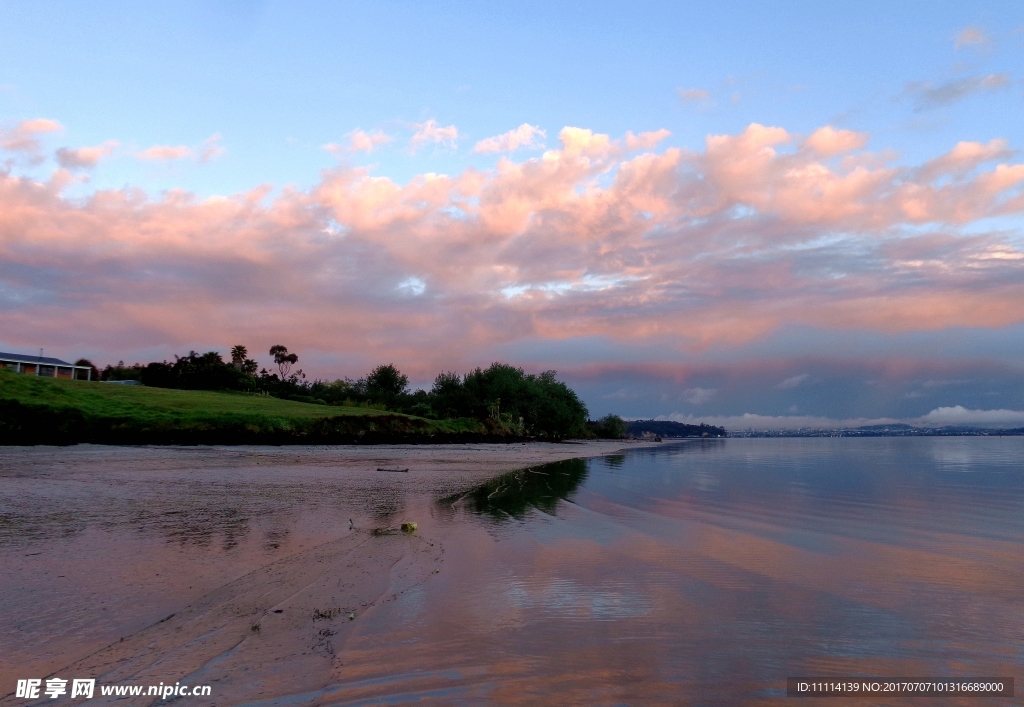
{"x": 894, "y": 431}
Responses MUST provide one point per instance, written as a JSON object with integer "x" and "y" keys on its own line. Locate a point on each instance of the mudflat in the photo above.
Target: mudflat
{"x": 240, "y": 567}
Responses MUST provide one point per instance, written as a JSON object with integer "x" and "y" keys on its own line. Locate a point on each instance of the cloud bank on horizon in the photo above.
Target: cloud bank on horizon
{"x": 769, "y": 276}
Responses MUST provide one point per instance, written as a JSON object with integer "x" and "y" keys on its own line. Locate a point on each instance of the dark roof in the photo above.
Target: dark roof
{"x": 44, "y": 360}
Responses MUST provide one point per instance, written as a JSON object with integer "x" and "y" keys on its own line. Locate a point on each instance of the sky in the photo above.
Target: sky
{"x": 752, "y": 214}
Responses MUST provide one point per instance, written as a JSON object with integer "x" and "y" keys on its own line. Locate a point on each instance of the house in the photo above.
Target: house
{"x": 44, "y": 366}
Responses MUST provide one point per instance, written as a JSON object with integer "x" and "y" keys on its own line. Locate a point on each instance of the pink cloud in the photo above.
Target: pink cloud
{"x": 165, "y": 152}
{"x": 525, "y": 136}
{"x": 207, "y": 151}
{"x": 84, "y": 157}
{"x": 22, "y": 137}
{"x": 367, "y": 142}
{"x": 646, "y": 141}
{"x": 360, "y": 141}
{"x": 688, "y": 249}
{"x": 211, "y": 149}
{"x": 585, "y": 142}
{"x": 965, "y": 157}
{"x": 40, "y": 125}
{"x": 828, "y": 141}
{"x": 431, "y": 132}
{"x": 972, "y": 36}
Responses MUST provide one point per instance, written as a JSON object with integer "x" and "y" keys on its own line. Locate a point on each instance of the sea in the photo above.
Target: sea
{"x": 696, "y": 572}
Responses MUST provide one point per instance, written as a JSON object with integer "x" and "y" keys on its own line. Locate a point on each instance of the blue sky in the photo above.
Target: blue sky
{"x": 183, "y": 102}
{"x": 279, "y": 80}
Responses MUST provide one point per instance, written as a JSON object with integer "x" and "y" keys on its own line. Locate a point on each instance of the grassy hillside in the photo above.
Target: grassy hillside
{"x": 46, "y": 411}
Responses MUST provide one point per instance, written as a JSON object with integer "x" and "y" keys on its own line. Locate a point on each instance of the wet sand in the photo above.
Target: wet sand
{"x": 234, "y": 567}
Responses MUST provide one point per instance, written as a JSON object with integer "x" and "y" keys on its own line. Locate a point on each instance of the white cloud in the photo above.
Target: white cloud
{"x": 525, "y": 136}
{"x": 959, "y": 415}
{"x": 944, "y": 383}
{"x": 622, "y": 394}
{"x": 431, "y": 132}
{"x": 412, "y": 286}
{"x": 775, "y": 422}
{"x": 693, "y": 94}
{"x": 793, "y": 382}
{"x": 699, "y": 396}
{"x": 939, "y": 417}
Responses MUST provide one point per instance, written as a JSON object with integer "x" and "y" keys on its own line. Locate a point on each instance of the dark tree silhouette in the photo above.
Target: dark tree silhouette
{"x": 87, "y": 362}
{"x": 241, "y": 361}
{"x": 238, "y": 355}
{"x": 283, "y": 359}
{"x": 386, "y": 381}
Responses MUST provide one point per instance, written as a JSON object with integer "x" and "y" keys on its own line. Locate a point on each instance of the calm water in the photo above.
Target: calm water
{"x": 696, "y": 573}
{"x": 705, "y": 573}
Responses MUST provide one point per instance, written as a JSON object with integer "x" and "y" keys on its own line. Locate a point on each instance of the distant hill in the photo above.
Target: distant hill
{"x": 667, "y": 428}
{"x": 883, "y": 428}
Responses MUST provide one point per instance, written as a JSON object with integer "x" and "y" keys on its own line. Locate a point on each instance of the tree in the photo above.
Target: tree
{"x": 196, "y": 372}
{"x": 86, "y": 362}
{"x": 238, "y": 356}
{"x": 609, "y": 427}
{"x": 386, "y": 383}
{"x": 542, "y": 404}
{"x": 121, "y": 372}
{"x": 240, "y": 360}
{"x": 449, "y": 396}
{"x": 283, "y": 359}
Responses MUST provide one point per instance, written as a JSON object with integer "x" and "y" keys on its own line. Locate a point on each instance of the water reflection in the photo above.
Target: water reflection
{"x": 195, "y": 526}
{"x": 512, "y": 495}
{"x": 615, "y": 461}
{"x": 705, "y": 573}
{"x": 576, "y": 600}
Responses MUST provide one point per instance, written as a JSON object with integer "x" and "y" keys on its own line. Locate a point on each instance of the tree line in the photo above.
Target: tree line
{"x": 504, "y": 397}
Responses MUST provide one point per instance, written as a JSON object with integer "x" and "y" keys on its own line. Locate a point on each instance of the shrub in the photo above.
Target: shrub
{"x": 608, "y": 427}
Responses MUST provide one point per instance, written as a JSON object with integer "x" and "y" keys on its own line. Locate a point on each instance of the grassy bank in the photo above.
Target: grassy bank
{"x": 46, "y": 411}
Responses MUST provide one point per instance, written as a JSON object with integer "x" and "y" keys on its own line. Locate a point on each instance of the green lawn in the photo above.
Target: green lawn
{"x": 32, "y": 407}
{"x": 111, "y": 399}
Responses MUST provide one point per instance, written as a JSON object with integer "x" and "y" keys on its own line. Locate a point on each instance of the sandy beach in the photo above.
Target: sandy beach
{"x": 241, "y": 568}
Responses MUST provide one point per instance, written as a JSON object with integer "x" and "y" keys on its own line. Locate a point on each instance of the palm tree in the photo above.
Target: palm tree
{"x": 238, "y": 356}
